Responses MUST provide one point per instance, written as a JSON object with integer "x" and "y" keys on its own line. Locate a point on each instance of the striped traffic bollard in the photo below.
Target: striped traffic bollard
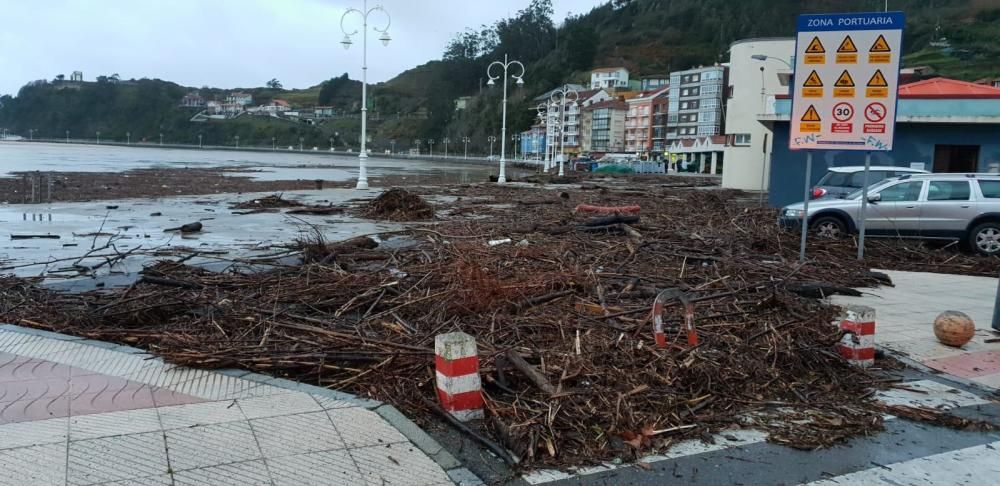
{"x": 458, "y": 385}
{"x": 857, "y": 345}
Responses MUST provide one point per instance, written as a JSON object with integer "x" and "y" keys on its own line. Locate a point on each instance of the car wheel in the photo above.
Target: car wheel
{"x": 829, "y": 227}
{"x": 985, "y": 239}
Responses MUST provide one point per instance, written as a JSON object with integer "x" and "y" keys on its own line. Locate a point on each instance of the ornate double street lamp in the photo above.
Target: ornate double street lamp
{"x": 430, "y": 143}
{"x": 466, "y": 140}
{"x": 515, "y": 138}
{"x": 417, "y": 142}
{"x": 505, "y": 65}
{"x": 543, "y": 115}
{"x": 560, "y": 98}
{"x": 364, "y": 13}
{"x": 446, "y": 141}
{"x": 491, "y": 139}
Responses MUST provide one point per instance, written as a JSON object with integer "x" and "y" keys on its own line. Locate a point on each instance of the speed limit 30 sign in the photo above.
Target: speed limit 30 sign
{"x": 843, "y": 113}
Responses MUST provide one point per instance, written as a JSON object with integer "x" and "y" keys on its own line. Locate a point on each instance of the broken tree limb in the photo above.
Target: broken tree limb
{"x": 529, "y": 371}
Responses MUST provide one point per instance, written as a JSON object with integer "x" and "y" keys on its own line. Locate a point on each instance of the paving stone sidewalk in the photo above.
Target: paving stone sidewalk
{"x": 81, "y": 412}
{"x": 905, "y": 322}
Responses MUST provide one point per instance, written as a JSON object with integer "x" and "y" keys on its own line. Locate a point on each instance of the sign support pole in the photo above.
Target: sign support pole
{"x": 996, "y": 311}
{"x": 864, "y": 207}
{"x": 763, "y": 171}
{"x": 805, "y": 206}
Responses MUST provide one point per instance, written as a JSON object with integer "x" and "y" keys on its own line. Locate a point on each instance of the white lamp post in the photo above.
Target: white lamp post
{"x": 237, "y": 137}
{"x": 543, "y": 115}
{"x": 516, "y": 138}
{"x": 301, "y": 140}
{"x": 430, "y": 143}
{"x": 502, "y": 178}
{"x": 67, "y": 136}
{"x": 199, "y": 140}
{"x": 492, "y": 139}
{"x": 31, "y": 135}
{"x": 161, "y": 139}
{"x": 446, "y": 141}
{"x": 417, "y": 142}
{"x": 274, "y": 143}
{"x": 98, "y": 138}
{"x": 364, "y": 13}
{"x": 128, "y": 138}
{"x": 465, "y": 140}
{"x": 392, "y": 146}
{"x": 560, "y": 98}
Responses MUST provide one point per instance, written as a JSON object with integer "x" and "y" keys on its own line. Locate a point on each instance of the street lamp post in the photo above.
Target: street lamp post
{"x": 543, "y": 115}
{"x": 128, "y": 138}
{"x": 199, "y": 140}
{"x": 392, "y": 147}
{"x": 67, "y": 136}
{"x": 465, "y": 140}
{"x": 505, "y": 65}
{"x": 515, "y": 138}
{"x": 331, "y": 144}
{"x": 31, "y": 135}
{"x": 364, "y": 13}
{"x": 492, "y": 139}
{"x": 417, "y": 142}
{"x": 560, "y": 98}
{"x": 98, "y": 138}
{"x": 274, "y": 143}
{"x": 301, "y": 140}
{"x": 237, "y": 137}
{"x": 161, "y": 139}
{"x": 430, "y": 143}
{"x": 446, "y": 141}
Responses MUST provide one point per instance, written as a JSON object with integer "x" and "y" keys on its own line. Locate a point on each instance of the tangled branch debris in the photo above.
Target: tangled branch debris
{"x": 399, "y": 205}
{"x": 562, "y": 320}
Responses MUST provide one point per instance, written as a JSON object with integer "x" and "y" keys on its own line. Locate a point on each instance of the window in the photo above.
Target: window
{"x": 672, "y": 118}
{"x": 905, "y": 192}
{"x": 991, "y": 189}
{"x": 707, "y": 104}
{"x": 708, "y": 116}
{"x": 857, "y": 179}
{"x": 686, "y": 92}
{"x": 741, "y": 139}
{"x": 672, "y": 107}
{"x": 710, "y": 89}
{"x": 709, "y": 75}
{"x": 949, "y": 191}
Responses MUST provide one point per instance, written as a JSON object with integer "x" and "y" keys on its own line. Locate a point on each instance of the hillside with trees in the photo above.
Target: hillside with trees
{"x": 955, "y": 37}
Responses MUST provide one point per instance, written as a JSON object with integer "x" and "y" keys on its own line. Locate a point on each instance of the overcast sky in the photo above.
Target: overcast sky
{"x": 228, "y": 43}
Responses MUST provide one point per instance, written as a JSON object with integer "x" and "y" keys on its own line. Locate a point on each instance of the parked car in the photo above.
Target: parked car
{"x": 841, "y": 181}
{"x": 927, "y": 206}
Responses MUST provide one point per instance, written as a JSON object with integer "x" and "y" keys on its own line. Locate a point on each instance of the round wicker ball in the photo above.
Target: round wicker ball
{"x": 954, "y": 328}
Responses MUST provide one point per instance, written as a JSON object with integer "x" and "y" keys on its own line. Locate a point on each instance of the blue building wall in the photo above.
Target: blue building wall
{"x": 914, "y": 142}
{"x": 531, "y": 143}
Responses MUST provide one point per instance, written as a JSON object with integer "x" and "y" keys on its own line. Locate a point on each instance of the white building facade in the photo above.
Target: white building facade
{"x": 609, "y": 78}
{"x": 752, "y": 83}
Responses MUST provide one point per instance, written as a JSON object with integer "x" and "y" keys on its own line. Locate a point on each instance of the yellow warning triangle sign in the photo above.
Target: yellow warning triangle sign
{"x": 813, "y": 80}
{"x": 847, "y": 45}
{"x": 878, "y": 80}
{"x": 845, "y": 80}
{"x": 815, "y": 47}
{"x": 811, "y": 115}
{"x": 880, "y": 45}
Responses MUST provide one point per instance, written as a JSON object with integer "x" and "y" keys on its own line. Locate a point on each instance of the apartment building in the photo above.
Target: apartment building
{"x": 638, "y": 121}
{"x": 566, "y": 118}
{"x": 697, "y": 99}
{"x": 609, "y": 78}
{"x": 605, "y": 124}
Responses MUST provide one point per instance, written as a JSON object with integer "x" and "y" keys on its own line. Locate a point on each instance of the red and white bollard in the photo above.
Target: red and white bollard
{"x": 858, "y": 344}
{"x": 458, "y": 385}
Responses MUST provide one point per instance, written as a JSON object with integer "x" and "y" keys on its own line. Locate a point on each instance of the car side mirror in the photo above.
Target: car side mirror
{"x": 874, "y": 198}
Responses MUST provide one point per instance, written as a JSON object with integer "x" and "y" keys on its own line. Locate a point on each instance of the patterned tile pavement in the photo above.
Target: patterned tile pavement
{"x": 905, "y": 322}
{"x": 79, "y": 412}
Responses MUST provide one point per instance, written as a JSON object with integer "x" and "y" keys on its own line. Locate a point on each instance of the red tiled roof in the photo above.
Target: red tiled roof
{"x": 944, "y": 88}
{"x": 587, "y": 94}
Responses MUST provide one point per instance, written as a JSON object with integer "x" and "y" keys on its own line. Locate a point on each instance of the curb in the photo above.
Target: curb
{"x": 455, "y": 470}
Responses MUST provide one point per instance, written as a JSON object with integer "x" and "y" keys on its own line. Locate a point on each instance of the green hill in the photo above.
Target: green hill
{"x": 646, "y": 36}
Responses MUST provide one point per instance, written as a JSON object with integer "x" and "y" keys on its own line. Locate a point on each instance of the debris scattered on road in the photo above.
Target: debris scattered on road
{"x": 187, "y": 228}
{"x": 399, "y": 205}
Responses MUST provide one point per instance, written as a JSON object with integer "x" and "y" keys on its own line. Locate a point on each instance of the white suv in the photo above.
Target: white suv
{"x": 929, "y": 206}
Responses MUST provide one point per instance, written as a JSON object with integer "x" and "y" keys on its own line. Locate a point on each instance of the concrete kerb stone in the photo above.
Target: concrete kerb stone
{"x": 390, "y": 414}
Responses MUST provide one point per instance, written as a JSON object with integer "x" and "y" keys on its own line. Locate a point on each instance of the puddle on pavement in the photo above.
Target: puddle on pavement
{"x": 138, "y": 225}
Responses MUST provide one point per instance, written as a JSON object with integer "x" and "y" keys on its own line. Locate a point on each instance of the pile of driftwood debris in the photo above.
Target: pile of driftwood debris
{"x": 560, "y": 304}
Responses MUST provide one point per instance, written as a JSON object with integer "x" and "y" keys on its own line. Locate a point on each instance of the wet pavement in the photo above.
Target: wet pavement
{"x": 128, "y": 225}
{"x": 80, "y": 412}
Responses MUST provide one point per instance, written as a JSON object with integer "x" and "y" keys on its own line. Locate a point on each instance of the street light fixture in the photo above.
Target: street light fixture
{"x": 516, "y": 138}
{"x": 465, "y": 140}
{"x": 274, "y": 143}
{"x": 67, "y": 136}
{"x": 128, "y": 138}
{"x": 364, "y": 13}
{"x": 762, "y": 57}
{"x": 31, "y": 135}
{"x": 161, "y": 139}
{"x": 98, "y": 138}
{"x": 560, "y": 98}
{"x": 492, "y": 139}
{"x": 199, "y": 140}
{"x": 505, "y": 65}
{"x": 331, "y": 144}
{"x": 417, "y": 142}
{"x": 237, "y": 137}
{"x": 543, "y": 116}
{"x": 430, "y": 143}
{"x": 301, "y": 140}
{"x": 392, "y": 147}
{"x": 446, "y": 141}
